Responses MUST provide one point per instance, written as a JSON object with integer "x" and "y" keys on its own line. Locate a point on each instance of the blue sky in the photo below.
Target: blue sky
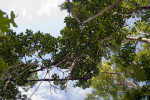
{"x": 43, "y": 15}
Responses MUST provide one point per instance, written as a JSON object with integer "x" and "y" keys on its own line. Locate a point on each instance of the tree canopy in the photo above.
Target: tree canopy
{"x": 97, "y": 47}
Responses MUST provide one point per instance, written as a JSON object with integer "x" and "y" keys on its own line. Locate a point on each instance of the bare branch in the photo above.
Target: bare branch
{"x": 144, "y": 40}
{"x": 71, "y": 71}
{"x": 100, "y": 13}
{"x": 55, "y": 79}
{"x": 73, "y": 12}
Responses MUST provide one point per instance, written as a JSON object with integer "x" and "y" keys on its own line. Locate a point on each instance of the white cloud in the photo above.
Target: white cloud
{"x": 37, "y": 97}
{"x": 49, "y": 7}
{"x": 26, "y": 15}
{"x": 43, "y": 92}
{"x": 80, "y": 93}
{"x": 24, "y": 12}
{"x": 43, "y": 15}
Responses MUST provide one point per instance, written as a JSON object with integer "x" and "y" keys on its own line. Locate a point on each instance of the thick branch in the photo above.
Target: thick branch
{"x": 73, "y": 12}
{"x": 142, "y": 40}
{"x": 100, "y": 13}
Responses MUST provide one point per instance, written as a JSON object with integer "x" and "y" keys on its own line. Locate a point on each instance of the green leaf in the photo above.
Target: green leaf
{"x": 139, "y": 38}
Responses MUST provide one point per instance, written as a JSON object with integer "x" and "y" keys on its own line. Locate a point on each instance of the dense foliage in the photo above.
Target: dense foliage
{"x": 106, "y": 52}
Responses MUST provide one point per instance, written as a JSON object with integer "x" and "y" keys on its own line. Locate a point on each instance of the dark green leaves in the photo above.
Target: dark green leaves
{"x": 5, "y": 21}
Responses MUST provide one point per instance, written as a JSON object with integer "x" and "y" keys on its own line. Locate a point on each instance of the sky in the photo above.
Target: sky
{"x": 43, "y": 15}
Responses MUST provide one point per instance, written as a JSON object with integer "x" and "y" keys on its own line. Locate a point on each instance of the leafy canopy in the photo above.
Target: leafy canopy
{"x": 80, "y": 51}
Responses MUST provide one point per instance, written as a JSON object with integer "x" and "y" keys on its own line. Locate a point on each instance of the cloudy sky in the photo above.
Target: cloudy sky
{"x": 43, "y": 15}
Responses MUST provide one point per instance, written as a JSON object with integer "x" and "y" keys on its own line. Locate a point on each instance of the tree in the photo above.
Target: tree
{"x": 93, "y": 31}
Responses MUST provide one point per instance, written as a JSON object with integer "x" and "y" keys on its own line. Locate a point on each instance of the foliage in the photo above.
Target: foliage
{"x": 80, "y": 51}
{"x": 142, "y": 93}
{"x": 5, "y": 21}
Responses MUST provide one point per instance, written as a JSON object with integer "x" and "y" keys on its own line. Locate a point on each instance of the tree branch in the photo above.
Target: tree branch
{"x": 38, "y": 86}
{"x": 55, "y": 63}
{"x": 57, "y": 79}
{"x": 100, "y": 13}
{"x": 126, "y": 82}
{"x": 144, "y": 40}
{"x": 52, "y": 64}
{"x": 142, "y": 8}
{"x": 73, "y": 12}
